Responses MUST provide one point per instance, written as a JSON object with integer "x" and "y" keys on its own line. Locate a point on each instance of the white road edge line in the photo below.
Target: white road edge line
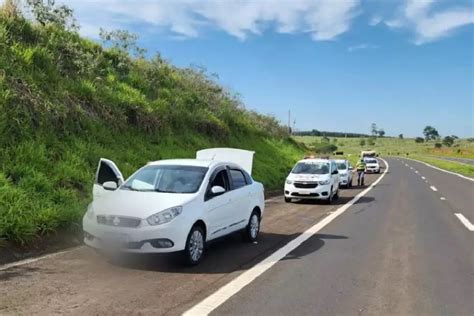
{"x": 424, "y": 178}
{"x": 442, "y": 198}
{"x": 32, "y": 260}
{"x": 52, "y": 255}
{"x": 465, "y": 221}
{"x": 433, "y": 188}
{"x": 219, "y": 297}
{"x": 450, "y": 172}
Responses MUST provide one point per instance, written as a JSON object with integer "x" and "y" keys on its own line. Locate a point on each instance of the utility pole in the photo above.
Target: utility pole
{"x": 289, "y": 122}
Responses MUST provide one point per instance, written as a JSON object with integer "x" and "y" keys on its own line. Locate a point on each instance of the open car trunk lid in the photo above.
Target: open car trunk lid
{"x": 243, "y": 158}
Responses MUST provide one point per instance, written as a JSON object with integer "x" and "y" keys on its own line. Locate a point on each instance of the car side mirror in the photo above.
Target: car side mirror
{"x": 217, "y": 190}
{"x": 335, "y": 172}
{"x": 110, "y": 185}
{"x": 351, "y": 168}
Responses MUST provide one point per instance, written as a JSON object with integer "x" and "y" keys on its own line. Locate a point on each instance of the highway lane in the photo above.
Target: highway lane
{"x": 402, "y": 253}
{"x": 457, "y": 192}
{"x": 81, "y": 283}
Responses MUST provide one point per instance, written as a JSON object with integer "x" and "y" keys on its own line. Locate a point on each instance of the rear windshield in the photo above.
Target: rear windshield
{"x": 311, "y": 168}
{"x": 341, "y": 166}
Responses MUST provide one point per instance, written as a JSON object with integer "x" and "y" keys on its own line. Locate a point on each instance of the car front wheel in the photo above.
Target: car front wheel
{"x": 195, "y": 245}
{"x": 253, "y": 227}
{"x": 287, "y": 200}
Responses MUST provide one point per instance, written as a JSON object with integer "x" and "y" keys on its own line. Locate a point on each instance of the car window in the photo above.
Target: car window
{"x": 238, "y": 178}
{"x": 341, "y": 166}
{"x": 311, "y": 168}
{"x": 221, "y": 180}
{"x": 167, "y": 178}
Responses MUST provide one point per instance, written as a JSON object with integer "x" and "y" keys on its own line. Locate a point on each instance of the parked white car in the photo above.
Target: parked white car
{"x": 313, "y": 179}
{"x": 372, "y": 165}
{"x": 175, "y": 205}
{"x": 345, "y": 172}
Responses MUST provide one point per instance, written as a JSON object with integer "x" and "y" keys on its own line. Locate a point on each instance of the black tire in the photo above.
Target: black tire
{"x": 287, "y": 200}
{"x": 349, "y": 184}
{"x": 330, "y": 198}
{"x": 336, "y": 195}
{"x": 194, "y": 250}
{"x": 251, "y": 231}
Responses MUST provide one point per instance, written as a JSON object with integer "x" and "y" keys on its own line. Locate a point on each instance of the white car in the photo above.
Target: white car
{"x": 313, "y": 179}
{"x": 372, "y": 165}
{"x": 345, "y": 172}
{"x": 175, "y": 205}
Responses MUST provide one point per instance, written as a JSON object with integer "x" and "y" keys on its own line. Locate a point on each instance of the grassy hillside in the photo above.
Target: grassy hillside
{"x": 462, "y": 148}
{"x": 66, "y": 101}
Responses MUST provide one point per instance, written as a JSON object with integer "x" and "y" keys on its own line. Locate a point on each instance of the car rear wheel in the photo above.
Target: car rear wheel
{"x": 253, "y": 227}
{"x": 195, "y": 246}
{"x": 330, "y": 197}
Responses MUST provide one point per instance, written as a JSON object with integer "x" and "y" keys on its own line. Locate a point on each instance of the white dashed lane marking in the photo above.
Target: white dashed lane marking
{"x": 433, "y": 188}
{"x": 465, "y": 221}
{"x": 442, "y": 198}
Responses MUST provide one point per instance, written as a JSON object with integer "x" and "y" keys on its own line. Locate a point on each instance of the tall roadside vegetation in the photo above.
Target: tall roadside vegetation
{"x": 66, "y": 101}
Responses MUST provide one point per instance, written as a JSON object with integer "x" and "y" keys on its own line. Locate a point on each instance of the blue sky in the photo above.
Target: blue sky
{"x": 339, "y": 65}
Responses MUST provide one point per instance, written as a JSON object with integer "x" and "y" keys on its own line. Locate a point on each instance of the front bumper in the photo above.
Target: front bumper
{"x": 344, "y": 180}
{"x": 372, "y": 170}
{"x": 170, "y": 237}
{"x": 321, "y": 192}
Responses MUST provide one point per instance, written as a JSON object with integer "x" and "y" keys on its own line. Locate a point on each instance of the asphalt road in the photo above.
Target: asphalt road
{"x": 404, "y": 253}
{"x": 399, "y": 250}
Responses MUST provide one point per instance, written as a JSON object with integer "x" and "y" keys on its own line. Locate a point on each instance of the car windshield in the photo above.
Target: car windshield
{"x": 311, "y": 168}
{"x": 341, "y": 166}
{"x": 371, "y": 161}
{"x": 167, "y": 178}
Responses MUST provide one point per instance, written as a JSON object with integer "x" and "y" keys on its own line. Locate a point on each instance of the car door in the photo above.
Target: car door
{"x": 241, "y": 198}
{"x": 106, "y": 171}
{"x": 218, "y": 208}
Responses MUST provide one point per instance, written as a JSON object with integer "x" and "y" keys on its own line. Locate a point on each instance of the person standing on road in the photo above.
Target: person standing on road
{"x": 360, "y": 167}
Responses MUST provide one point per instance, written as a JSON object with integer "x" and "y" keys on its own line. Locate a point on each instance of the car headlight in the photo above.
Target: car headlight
{"x": 288, "y": 181}
{"x": 165, "y": 216}
{"x": 90, "y": 212}
{"x": 324, "y": 182}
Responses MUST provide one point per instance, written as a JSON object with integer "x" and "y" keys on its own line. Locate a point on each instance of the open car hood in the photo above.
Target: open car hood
{"x": 243, "y": 158}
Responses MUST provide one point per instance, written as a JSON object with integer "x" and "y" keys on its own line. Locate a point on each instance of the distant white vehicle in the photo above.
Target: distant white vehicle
{"x": 175, "y": 205}
{"x": 313, "y": 179}
{"x": 345, "y": 172}
{"x": 372, "y": 165}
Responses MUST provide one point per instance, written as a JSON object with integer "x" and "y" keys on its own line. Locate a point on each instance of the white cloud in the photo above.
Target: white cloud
{"x": 354, "y": 48}
{"x": 430, "y": 25}
{"x": 322, "y": 19}
{"x": 375, "y": 20}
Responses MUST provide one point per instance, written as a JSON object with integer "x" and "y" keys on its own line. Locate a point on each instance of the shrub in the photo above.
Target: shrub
{"x": 324, "y": 148}
{"x": 419, "y": 140}
{"x": 438, "y": 145}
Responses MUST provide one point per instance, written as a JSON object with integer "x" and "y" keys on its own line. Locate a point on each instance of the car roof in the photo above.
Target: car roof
{"x": 192, "y": 162}
{"x": 341, "y": 160}
{"x": 314, "y": 160}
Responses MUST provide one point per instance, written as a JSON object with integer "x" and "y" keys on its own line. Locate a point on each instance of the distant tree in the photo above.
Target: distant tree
{"x": 454, "y": 137}
{"x": 47, "y": 12}
{"x": 362, "y": 142}
{"x": 381, "y": 132}
{"x": 400, "y": 136}
{"x": 438, "y": 145}
{"x": 448, "y": 141}
{"x": 419, "y": 140}
{"x": 430, "y": 133}
{"x": 373, "y": 129}
{"x": 470, "y": 140}
{"x": 122, "y": 40}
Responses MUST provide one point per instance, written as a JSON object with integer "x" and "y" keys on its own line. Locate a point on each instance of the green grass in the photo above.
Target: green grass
{"x": 65, "y": 102}
{"x": 463, "y": 169}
